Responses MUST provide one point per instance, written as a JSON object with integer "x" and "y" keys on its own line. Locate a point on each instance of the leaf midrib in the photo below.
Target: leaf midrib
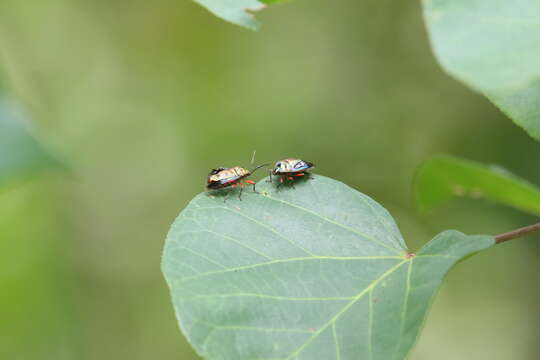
{"x": 277, "y": 261}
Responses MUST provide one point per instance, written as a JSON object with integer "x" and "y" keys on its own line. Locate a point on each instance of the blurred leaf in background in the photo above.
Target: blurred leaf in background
{"x": 443, "y": 177}
{"x": 37, "y": 307}
{"x": 36, "y": 300}
{"x": 235, "y": 11}
{"x": 21, "y": 155}
{"x": 492, "y": 46}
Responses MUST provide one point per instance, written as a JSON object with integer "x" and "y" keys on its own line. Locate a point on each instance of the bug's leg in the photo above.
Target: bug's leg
{"x": 301, "y": 174}
{"x": 252, "y": 183}
{"x": 240, "y": 193}
{"x": 291, "y": 181}
{"x": 229, "y": 193}
{"x": 270, "y": 176}
{"x": 280, "y": 181}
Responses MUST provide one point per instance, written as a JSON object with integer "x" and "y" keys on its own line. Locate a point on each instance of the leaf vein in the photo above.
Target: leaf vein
{"x": 370, "y": 325}
{"x": 231, "y": 239}
{"x": 203, "y": 257}
{"x": 336, "y": 341}
{"x": 277, "y": 261}
{"x": 254, "y": 328}
{"x": 369, "y": 238}
{"x": 345, "y": 308}
{"x": 262, "y": 225}
{"x": 272, "y": 297}
{"x": 405, "y": 304}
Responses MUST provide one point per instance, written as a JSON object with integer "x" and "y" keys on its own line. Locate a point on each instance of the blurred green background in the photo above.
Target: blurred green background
{"x": 142, "y": 98}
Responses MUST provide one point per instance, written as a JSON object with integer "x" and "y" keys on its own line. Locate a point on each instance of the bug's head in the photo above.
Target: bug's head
{"x": 279, "y": 167}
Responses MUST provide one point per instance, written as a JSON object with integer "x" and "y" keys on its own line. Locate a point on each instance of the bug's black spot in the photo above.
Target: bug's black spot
{"x": 214, "y": 185}
{"x": 215, "y": 171}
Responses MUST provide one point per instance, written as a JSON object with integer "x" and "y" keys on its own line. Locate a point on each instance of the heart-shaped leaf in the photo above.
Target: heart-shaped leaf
{"x": 443, "y": 177}
{"x": 318, "y": 271}
{"x": 494, "y": 47}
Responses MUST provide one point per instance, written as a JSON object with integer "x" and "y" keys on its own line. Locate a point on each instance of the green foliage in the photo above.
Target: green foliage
{"x": 319, "y": 271}
{"x": 36, "y": 280}
{"x": 237, "y": 11}
{"x": 20, "y": 154}
{"x": 493, "y": 46}
{"x": 443, "y": 177}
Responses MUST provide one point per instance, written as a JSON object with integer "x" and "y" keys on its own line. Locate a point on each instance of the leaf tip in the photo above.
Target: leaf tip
{"x": 241, "y": 13}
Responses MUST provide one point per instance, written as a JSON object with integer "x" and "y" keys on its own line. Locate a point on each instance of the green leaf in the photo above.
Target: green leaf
{"x": 494, "y": 47}
{"x": 443, "y": 177}
{"x": 237, "y": 11}
{"x": 20, "y": 154}
{"x": 319, "y": 271}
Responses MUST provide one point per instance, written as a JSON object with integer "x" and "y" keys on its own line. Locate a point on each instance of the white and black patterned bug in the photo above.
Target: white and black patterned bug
{"x": 288, "y": 169}
{"x": 220, "y": 178}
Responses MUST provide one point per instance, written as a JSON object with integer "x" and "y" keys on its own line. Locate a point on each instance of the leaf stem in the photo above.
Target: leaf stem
{"x": 516, "y": 233}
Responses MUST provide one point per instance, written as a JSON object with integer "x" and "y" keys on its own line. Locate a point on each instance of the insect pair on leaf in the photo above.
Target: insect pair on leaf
{"x": 286, "y": 169}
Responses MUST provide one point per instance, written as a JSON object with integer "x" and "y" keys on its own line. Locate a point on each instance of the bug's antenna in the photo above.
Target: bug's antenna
{"x": 253, "y": 157}
{"x": 258, "y": 167}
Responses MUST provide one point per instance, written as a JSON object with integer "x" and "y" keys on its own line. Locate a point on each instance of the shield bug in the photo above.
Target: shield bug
{"x": 288, "y": 169}
{"x": 230, "y": 177}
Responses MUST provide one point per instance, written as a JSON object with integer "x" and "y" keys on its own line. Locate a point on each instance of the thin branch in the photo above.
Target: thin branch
{"x": 517, "y": 233}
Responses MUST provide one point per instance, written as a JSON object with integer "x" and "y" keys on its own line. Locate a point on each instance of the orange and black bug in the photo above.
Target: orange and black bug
{"x": 287, "y": 169}
{"x": 230, "y": 177}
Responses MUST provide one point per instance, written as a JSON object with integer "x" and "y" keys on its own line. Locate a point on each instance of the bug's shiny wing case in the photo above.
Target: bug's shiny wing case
{"x": 291, "y": 166}
{"x": 223, "y": 177}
